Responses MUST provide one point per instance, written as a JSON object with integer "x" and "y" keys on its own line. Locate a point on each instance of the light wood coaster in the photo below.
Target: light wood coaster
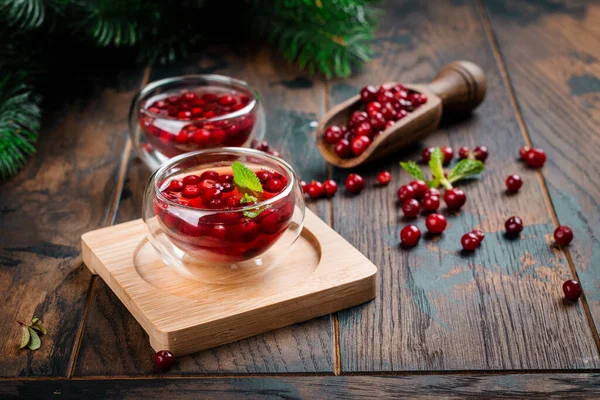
{"x": 184, "y": 313}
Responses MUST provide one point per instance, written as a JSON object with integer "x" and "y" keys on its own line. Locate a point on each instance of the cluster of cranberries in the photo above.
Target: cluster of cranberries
{"x": 533, "y": 157}
{"x": 382, "y": 108}
{"x": 316, "y": 189}
{"x": 479, "y": 153}
{"x": 470, "y": 241}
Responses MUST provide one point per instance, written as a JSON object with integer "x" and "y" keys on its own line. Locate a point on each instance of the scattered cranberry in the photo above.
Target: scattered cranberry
{"x": 436, "y": 223}
{"x": 563, "y": 235}
{"x": 360, "y": 144}
{"x": 463, "y": 152}
{"x": 315, "y": 190}
{"x": 514, "y": 183}
{"x": 480, "y": 153}
{"x": 513, "y": 226}
{"x": 384, "y": 178}
{"x": 330, "y": 187}
{"x": 469, "y": 241}
{"x": 410, "y": 235}
{"x": 572, "y": 289}
{"x": 448, "y": 154}
{"x": 480, "y": 235}
{"x": 455, "y": 198}
{"x": 431, "y": 203}
{"x": 343, "y": 148}
{"x": 411, "y": 208}
{"x": 523, "y": 152}
{"x": 333, "y": 134}
{"x": 164, "y": 360}
{"x": 420, "y": 188}
{"x": 406, "y": 192}
{"x": 426, "y": 153}
{"x": 535, "y": 158}
{"x": 355, "y": 183}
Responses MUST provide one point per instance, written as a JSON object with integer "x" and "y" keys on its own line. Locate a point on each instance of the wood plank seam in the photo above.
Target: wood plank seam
{"x": 485, "y": 20}
{"x": 108, "y": 221}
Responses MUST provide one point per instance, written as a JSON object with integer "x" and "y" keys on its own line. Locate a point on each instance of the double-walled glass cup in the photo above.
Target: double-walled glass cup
{"x": 178, "y": 115}
{"x": 196, "y": 240}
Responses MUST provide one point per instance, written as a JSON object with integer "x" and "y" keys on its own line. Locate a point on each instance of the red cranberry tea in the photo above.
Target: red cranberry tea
{"x": 380, "y": 109}
{"x": 177, "y": 123}
{"x": 236, "y": 221}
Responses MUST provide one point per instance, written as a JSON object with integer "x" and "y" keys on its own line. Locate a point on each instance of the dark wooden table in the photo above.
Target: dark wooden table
{"x": 488, "y": 324}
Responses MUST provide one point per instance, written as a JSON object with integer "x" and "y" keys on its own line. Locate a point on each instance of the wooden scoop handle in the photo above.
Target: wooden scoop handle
{"x": 461, "y": 85}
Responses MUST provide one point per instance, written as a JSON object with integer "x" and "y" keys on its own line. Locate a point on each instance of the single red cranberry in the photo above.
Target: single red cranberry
{"x": 210, "y": 114}
{"x": 377, "y": 123}
{"x": 469, "y": 241}
{"x": 563, "y": 235}
{"x": 355, "y": 183}
{"x": 182, "y": 137}
{"x": 214, "y": 204}
{"x": 572, "y": 289}
{"x": 191, "y": 180}
{"x": 410, "y": 235}
{"x": 232, "y": 201}
{"x": 513, "y": 226}
{"x": 368, "y": 93}
{"x": 401, "y": 114}
{"x": 436, "y": 223}
{"x": 385, "y": 97}
{"x": 389, "y": 124}
{"x": 164, "y": 359}
{"x": 480, "y": 235}
{"x": 480, "y": 153}
{"x": 176, "y": 185}
{"x": 227, "y": 187}
{"x": 463, "y": 152}
{"x": 373, "y": 108}
{"x": 420, "y": 188}
{"x": 219, "y": 232}
{"x": 184, "y": 114}
{"x": 315, "y": 190}
{"x": 201, "y": 137}
{"x": 448, "y": 154}
{"x": 360, "y": 144}
{"x": 303, "y": 186}
{"x": 206, "y": 184}
{"x": 226, "y": 178}
{"x": 212, "y": 193}
{"x": 523, "y": 152}
{"x": 160, "y": 104}
{"x": 431, "y": 203}
{"x": 212, "y": 175}
{"x": 514, "y": 183}
{"x": 363, "y": 129}
{"x": 189, "y": 96}
{"x": 426, "y": 153}
{"x": 384, "y": 178}
{"x": 535, "y": 158}
{"x": 405, "y": 192}
{"x": 274, "y": 185}
{"x": 173, "y": 99}
{"x": 357, "y": 117}
{"x": 388, "y": 112}
{"x": 263, "y": 176}
{"x": 227, "y": 100}
{"x": 330, "y": 187}
{"x": 432, "y": 192}
{"x": 191, "y": 191}
{"x": 411, "y": 208}
{"x": 455, "y": 198}
{"x": 343, "y": 148}
{"x": 332, "y": 134}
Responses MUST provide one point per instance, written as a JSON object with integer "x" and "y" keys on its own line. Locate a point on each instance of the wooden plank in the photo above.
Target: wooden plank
{"x": 65, "y": 190}
{"x": 552, "y": 54}
{"x": 437, "y": 308}
{"x": 451, "y": 386}
{"x": 115, "y": 344}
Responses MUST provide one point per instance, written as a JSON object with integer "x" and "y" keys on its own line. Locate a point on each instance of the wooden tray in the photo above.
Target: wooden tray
{"x": 321, "y": 274}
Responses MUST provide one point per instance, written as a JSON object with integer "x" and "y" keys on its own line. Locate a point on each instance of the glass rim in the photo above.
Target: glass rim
{"x": 226, "y": 150}
{"x": 195, "y": 77}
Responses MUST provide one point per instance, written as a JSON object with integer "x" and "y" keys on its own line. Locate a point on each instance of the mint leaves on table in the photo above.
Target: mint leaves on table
{"x": 29, "y": 334}
{"x": 461, "y": 170}
{"x": 245, "y": 179}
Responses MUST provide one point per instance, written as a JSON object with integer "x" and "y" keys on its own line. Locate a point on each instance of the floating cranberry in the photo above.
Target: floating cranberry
{"x": 227, "y": 187}
{"x": 480, "y": 153}
{"x": 572, "y": 289}
{"x": 212, "y": 175}
{"x": 191, "y": 192}
{"x": 330, "y": 187}
{"x": 410, "y": 235}
{"x": 513, "y": 226}
{"x": 563, "y": 235}
{"x": 232, "y": 201}
{"x": 384, "y": 178}
{"x": 514, "y": 183}
{"x": 201, "y": 137}
{"x": 184, "y": 114}
{"x": 406, "y": 192}
{"x": 212, "y": 193}
{"x": 436, "y": 223}
{"x": 480, "y": 235}
{"x": 420, "y": 188}
{"x": 274, "y": 185}
{"x": 219, "y": 232}
{"x": 176, "y": 185}
{"x": 315, "y": 190}
{"x": 226, "y": 100}
{"x": 523, "y": 152}
{"x": 206, "y": 184}
{"x": 225, "y": 178}
{"x": 448, "y": 154}
{"x": 426, "y": 153}
{"x": 469, "y": 241}
{"x": 463, "y": 152}
{"x": 411, "y": 208}
{"x": 270, "y": 221}
{"x": 191, "y": 180}
{"x": 455, "y": 198}
{"x": 332, "y": 134}
{"x": 164, "y": 360}
{"x": 431, "y": 203}
{"x": 355, "y": 183}
{"x": 343, "y": 148}
{"x": 535, "y": 158}
{"x": 368, "y": 93}
{"x": 360, "y": 144}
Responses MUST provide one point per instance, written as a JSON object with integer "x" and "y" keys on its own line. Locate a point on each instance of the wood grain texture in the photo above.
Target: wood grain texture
{"x": 65, "y": 190}
{"x": 438, "y": 308}
{"x": 552, "y": 52}
{"x": 115, "y": 344}
{"x": 463, "y": 386}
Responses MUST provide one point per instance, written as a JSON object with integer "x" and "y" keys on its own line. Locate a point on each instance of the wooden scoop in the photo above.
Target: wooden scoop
{"x": 459, "y": 87}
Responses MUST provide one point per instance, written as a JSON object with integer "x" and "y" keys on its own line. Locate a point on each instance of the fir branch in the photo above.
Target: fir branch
{"x": 23, "y": 14}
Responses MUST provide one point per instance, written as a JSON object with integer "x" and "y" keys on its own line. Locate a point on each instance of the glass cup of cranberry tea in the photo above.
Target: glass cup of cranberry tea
{"x": 178, "y": 115}
{"x": 233, "y": 207}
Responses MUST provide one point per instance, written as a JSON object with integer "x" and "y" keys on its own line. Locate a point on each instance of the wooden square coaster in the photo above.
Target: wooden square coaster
{"x": 321, "y": 274}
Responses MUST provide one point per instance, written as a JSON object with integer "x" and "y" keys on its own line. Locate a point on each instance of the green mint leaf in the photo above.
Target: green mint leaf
{"x": 255, "y": 212}
{"x": 435, "y": 163}
{"x": 34, "y": 340}
{"x": 25, "y": 336}
{"x": 465, "y": 168}
{"x": 248, "y": 199}
{"x": 40, "y": 328}
{"x": 245, "y": 178}
{"x": 34, "y": 320}
{"x": 413, "y": 169}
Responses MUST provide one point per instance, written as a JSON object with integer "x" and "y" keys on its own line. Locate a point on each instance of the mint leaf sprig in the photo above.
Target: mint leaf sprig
{"x": 461, "y": 170}
{"x": 245, "y": 179}
{"x": 30, "y": 334}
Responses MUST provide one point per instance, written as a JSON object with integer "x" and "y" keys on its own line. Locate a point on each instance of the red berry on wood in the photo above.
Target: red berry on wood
{"x": 406, "y": 192}
{"x": 368, "y": 94}
{"x": 426, "y": 153}
{"x": 420, "y": 188}
{"x": 373, "y": 108}
{"x": 410, "y": 235}
{"x": 384, "y": 178}
{"x": 572, "y": 289}
{"x": 448, "y": 154}
{"x": 469, "y": 241}
{"x": 330, "y": 187}
{"x": 411, "y": 208}
{"x": 432, "y": 192}
{"x": 355, "y": 183}
{"x": 315, "y": 190}
{"x": 363, "y": 129}
{"x": 513, "y": 226}
{"x": 343, "y": 148}
{"x": 332, "y": 134}
{"x": 360, "y": 144}
{"x": 514, "y": 183}
{"x": 563, "y": 235}
{"x": 431, "y": 203}
{"x": 535, "y": 158}
{"x": 455, "y": 198}
{"x": 523, "y": 152}
{"x": 436, "y": 223}
{"x": 463, "y": 152}
{"x": 480, "y": 235}
{"x": 480, "y": 153}
{"x": 164, "y": 359}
